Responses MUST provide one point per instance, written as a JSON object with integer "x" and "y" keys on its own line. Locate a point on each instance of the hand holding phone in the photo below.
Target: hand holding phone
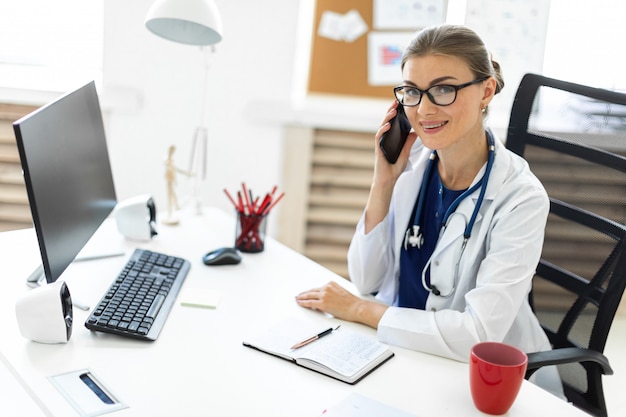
{"x": 392, "y": 141}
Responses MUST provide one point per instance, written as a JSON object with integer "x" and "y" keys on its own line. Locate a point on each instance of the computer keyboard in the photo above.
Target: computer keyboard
{"x": 139, "y": 300}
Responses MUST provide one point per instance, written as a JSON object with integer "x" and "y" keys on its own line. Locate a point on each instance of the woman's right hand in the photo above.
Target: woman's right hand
{"x": 385, "y": 174}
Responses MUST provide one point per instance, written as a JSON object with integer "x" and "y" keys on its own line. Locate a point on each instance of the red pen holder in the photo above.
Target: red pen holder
{"x": 250, "y": 232}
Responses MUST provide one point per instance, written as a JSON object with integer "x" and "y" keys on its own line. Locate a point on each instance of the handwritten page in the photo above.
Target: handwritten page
{"x": 342, "y": 353}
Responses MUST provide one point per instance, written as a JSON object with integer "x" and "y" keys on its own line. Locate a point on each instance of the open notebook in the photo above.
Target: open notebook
{"x": 342, "y": 354}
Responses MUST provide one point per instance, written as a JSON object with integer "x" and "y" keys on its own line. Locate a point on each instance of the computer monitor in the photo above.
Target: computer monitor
{"x": 65, "y": 162}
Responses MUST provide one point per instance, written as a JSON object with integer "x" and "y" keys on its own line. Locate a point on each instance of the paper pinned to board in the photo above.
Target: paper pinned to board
{"x": 408, "y": 14}
{"x": 342, "y": 27}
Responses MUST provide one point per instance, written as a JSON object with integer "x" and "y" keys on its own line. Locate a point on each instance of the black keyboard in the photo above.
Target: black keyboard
{"x": 140, "y": 299}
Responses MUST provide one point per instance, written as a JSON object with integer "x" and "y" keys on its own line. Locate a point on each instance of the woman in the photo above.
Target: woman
{"x": 452, "y": 232}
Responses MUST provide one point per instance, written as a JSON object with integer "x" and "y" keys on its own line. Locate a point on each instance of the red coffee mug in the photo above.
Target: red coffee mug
{"x": 496, "y": 374}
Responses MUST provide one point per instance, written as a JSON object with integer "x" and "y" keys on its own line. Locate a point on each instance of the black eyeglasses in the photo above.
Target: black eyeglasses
{"x": 441, "y": 95}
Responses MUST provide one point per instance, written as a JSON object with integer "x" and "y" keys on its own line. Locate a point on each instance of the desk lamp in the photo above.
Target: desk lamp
{"x": 190, "y": 22}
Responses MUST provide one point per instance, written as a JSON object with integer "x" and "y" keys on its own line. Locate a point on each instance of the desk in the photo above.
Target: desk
{"x": 198, "y": 366}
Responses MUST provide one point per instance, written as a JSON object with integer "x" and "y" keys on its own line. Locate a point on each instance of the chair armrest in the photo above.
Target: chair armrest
{"x": 537, "y": 360}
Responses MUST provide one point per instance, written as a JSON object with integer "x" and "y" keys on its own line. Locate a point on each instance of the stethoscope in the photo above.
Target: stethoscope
{"x": 413, "y": 235}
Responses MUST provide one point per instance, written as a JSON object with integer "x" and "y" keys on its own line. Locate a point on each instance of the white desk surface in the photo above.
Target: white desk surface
{"x": 198, "y": 366}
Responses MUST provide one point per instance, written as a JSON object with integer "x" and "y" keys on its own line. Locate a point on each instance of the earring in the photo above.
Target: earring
{"x": 484, "y": 109}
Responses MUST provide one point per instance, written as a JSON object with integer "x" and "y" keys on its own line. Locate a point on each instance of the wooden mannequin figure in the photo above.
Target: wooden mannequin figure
{"x": 170, "y": 178}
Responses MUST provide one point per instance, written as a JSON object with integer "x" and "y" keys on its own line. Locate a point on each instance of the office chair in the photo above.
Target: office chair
{"x": 574, "y": 139}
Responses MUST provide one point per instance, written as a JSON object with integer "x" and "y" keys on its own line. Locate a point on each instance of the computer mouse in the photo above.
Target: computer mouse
{"x": 222, "y": 256}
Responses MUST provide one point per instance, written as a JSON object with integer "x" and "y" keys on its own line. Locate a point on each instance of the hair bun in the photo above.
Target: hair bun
{"x": 497, "y": 75}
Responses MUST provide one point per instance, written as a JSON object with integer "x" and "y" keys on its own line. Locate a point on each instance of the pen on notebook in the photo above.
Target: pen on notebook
{"x": 314, "y": 338}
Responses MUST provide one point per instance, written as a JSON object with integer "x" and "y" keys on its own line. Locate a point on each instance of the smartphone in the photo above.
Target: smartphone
{"x": 392, "y": 141}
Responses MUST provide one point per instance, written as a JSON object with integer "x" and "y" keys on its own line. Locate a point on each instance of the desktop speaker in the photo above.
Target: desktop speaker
{"x": 136, "y": 218}
{"x": 45, "y": 314}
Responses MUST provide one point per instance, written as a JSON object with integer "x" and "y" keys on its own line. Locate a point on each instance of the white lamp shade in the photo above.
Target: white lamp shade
{"x": 192, "y": 22}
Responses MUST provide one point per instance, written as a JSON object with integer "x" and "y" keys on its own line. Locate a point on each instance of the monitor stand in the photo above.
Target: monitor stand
{"x": 37, "y": 278}
{"x": 105, "y": 243}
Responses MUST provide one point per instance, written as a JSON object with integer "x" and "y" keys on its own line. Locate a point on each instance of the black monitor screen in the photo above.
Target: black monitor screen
{"x": 68, "y": 177}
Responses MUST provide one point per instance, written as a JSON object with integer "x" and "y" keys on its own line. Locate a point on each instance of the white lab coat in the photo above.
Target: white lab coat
{"x": 490, "y": 300}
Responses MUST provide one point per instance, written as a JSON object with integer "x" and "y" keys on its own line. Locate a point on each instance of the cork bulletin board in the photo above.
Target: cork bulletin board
{"x": 341, "y": 67}
{"x": 357, "y": 44}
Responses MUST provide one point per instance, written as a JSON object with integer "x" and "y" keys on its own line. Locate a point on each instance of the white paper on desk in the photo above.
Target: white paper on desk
{"x": 357, "y": 405}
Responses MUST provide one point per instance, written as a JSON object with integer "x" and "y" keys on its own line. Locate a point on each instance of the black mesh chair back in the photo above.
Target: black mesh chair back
{"x": 574, "y": 138}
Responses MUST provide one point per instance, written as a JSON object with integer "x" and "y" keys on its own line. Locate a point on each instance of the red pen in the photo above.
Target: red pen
{"x": 230, "y": 198}
{"x": 271, "y": 206}
{"x": 245, "y": 195}
{"x": 266, "y": 201}
{"x": 240, "y": 207}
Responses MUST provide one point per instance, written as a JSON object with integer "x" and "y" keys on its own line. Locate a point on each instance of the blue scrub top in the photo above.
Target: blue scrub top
{"x": 412, "y": 259}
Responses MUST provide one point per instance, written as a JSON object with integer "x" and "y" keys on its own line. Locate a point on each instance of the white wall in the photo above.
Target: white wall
{"x": 257, "y": 79}
{"x": 584, "y": 43}
{"x": 152, "y": 95}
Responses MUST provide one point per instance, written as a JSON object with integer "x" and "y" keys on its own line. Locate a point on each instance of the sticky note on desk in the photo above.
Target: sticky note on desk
{"x": 200, "y": 298}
